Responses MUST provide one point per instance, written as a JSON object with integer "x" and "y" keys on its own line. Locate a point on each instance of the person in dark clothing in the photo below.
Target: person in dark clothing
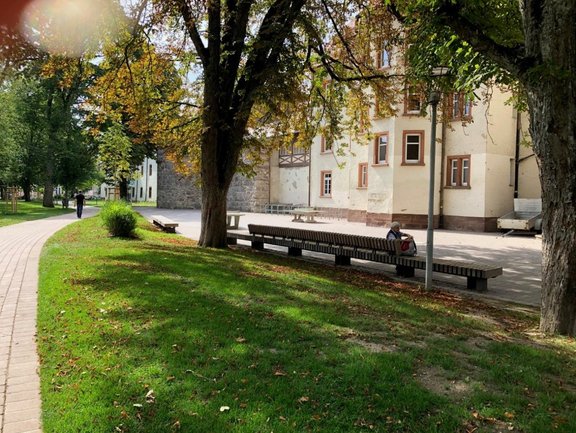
{"x": 79, "y": 204}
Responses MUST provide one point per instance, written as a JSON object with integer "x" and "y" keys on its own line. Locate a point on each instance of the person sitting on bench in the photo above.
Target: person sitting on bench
{"x": 408, "y": 246}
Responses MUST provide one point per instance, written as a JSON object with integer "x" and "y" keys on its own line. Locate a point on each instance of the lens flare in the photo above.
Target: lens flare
{"x": 71, "y": 27}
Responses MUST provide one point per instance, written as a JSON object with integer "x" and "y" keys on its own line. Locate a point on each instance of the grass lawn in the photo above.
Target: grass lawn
{"x": 28, "y": 211}
{"x": 156, "y": 335}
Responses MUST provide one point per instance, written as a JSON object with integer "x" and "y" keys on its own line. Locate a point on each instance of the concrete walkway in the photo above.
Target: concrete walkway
{"x": 20, "y": 247}
{"x": 520, "y": 256}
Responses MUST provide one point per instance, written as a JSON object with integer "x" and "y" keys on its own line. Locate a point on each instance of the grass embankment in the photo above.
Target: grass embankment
{"x": 155, "y": 335}
{"x": 28, "y": 211}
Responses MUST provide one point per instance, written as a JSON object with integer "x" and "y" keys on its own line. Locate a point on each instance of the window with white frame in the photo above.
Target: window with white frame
{"x": 326, "y": 184}
{"x": 458, "y": 171}
{"x": 461, "y": 106}
{"x": 381, "y": 148}
{"x": 413, "y": 152}
{"x": 384, "y": 55}
{"x": 363, "y": 175}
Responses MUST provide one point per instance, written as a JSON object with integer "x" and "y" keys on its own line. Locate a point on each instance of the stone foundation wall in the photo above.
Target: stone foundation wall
{"x": 250, "y": 194}
{"x": 178, "y": 192}
{"x": 470, "y": 224}
{"x": 174, "y": 190}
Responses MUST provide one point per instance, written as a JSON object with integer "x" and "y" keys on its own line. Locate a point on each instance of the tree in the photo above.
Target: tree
{"x": 533, "y": 43}
{"x": 136, "y": 104}
{"x": 261, "y": 66}
{"x": 32, "y": 139}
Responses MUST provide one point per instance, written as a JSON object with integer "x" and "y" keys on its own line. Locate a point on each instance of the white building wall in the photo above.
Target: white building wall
{"x": 145, "y": 187}
{"x": 397, "y": 190}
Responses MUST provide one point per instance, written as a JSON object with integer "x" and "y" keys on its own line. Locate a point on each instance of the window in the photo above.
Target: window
{"x": 150, "y": 192}
{"x": 384, "y": 55}
{"x": 363, "y": 175}
{"x": 413, "y": 148}
{"x": 381, "y": 148}
{"x": 326, "y": 187}
{"x": 142, "y": 169}
{"x": 413, "y": 102}
{"x": 461, "y": 106}
{"x": 150, "y": 170}
{"x": 141, "y": 192}
{"x": 325, "y": 146}
{"x": 458, "y": 171}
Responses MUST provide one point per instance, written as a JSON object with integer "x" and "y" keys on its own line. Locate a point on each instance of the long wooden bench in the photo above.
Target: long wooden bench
{"x": 164, "y": 223}
{"x": 347, "y": 246}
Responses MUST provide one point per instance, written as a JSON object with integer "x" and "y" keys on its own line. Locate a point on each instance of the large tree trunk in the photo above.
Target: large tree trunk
{"x": 550, "y": 37}
{"x": 123, "y": 189}
{"x": 27, "y": 188}
{"x": 553, "y": 130}
{"x": 220, "y": 151}
{"x": 48, "y": 200}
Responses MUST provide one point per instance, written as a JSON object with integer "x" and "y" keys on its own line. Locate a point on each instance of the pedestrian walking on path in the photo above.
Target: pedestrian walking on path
{"x": 79, "y": 204}
{"x": 20, "y": 246}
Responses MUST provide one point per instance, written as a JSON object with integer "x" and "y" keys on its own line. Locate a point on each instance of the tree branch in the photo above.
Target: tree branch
{"x": 274, "y": 30}
{"x": 512, "y": 59}
{"x": 190, "y": 24}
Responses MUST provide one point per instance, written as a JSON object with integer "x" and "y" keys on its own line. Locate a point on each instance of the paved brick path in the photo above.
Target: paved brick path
{"x": 20, "y": 247}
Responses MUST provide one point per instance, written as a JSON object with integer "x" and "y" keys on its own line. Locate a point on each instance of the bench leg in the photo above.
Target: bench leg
{"x": 295, "y": 252}
{"x": 257, "y": 245}
{"x": 404, "y": 271}
{"x": 232, "y": 241}
{"x": 479, "y": 284}
{"x": 342, "y": 260}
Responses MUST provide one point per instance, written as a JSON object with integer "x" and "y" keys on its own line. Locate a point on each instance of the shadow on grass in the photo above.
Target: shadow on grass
{"x": 165, "y": 337}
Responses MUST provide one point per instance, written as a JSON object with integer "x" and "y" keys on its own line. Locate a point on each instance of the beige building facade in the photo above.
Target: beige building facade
{"x": 483, "y": 161}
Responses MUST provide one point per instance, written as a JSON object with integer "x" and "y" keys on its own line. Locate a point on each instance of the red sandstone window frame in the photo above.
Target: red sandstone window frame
{"x": 460, "y": 106}
{"x": 405, "y": 144}
{"x": 410, "y": 96}
{"x": 458, "y": 169}
{"x": 378, "y": 160}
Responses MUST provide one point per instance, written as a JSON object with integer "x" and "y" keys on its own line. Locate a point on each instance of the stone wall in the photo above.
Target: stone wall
{"x": 250, "y": 194}
{"x": 178, "y": 192}
{"x": 174, "y": 190}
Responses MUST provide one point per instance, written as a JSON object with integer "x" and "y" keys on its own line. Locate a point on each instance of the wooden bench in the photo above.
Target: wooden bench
{"x": 233, "y": 220}
{"x": 164, "y": 223}
{"x": 307, "y": 213}
{"x": 347, "y": 246}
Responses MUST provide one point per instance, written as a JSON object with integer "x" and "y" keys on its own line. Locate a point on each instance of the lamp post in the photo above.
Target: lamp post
{"x": 433, "y": 100}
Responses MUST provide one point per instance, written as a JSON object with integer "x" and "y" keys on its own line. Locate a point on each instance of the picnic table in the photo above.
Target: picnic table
{"x": 307, "y": 213}
{"x": 233, "y": 219}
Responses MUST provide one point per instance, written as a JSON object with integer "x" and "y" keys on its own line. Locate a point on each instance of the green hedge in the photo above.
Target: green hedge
{"x": 119, "y": 218}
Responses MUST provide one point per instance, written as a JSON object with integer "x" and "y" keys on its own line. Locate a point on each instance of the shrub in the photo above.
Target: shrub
{"x": 119, "y": 218}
